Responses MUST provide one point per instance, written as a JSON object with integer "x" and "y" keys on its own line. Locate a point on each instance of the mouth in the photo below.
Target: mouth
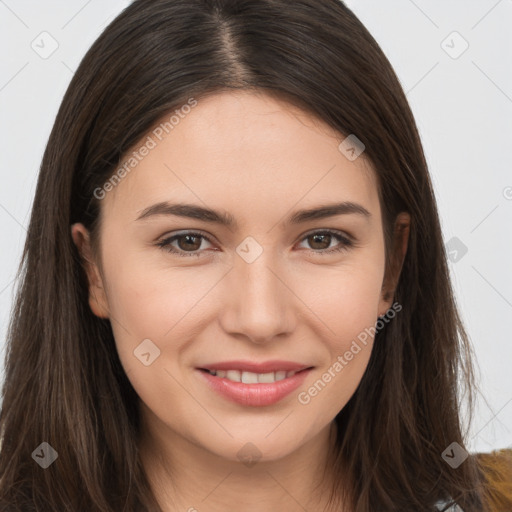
{"x": 252, "y": 377}
{"x": 254, "y": 388}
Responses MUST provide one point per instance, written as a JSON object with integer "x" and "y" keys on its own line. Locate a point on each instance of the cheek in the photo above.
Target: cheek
{"x": 164, "y": 305}
{"x": 165, "y": 308}
{"x": 345, "y": 300}
{"x": 329, "y": 390}
{"x": 345, "y": 307}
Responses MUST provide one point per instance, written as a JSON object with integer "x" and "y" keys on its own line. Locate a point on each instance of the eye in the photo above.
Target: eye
{"x": 189, "y": 243}
{"x": 321, "y": 240}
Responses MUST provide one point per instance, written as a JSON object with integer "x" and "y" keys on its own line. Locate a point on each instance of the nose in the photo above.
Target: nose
{"x": 260, "y": 303}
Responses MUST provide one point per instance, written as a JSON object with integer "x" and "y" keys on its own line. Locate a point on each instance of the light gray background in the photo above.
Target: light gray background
{"x": 462, "y": 105}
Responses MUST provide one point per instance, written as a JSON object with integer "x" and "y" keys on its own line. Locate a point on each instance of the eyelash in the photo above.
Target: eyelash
{"x": 345, "y": 244}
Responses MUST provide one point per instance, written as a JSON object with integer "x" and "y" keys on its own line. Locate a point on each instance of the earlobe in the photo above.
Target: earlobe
{"x": 400, "y": 244}
{"x": 97, "y": 297}
{"x": 97, "y": 306}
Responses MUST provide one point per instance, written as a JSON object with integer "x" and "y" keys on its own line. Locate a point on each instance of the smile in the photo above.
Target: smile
{"x": 250, "y": 388}
{"x": 251, "y": 377}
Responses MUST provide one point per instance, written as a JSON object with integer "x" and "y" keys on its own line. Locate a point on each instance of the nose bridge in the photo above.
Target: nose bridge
{"x": 260, "y": 304}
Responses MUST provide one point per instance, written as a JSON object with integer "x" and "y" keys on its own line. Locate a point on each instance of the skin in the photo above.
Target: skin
{"x": 260, "y": 159}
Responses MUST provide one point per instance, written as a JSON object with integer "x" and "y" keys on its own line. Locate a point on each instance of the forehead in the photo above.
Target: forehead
{"x": 253, "y": 151}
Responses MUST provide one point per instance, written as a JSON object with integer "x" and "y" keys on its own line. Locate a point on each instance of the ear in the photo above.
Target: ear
{"x": 97, "y": 297}
{"x": 398, "y": 251}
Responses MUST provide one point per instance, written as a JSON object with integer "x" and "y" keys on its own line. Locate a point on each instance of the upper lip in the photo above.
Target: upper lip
{"x": 251, "y": 366}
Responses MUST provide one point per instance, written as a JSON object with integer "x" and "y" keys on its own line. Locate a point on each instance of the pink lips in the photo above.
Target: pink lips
{"x": 255, "y": 395}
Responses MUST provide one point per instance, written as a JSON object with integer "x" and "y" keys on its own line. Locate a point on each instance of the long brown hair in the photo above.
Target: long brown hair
{"x": 64, "y": 383}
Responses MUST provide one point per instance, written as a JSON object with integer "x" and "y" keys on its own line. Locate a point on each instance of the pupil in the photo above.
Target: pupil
{"x": 189, "y": 238}
{"x": 315, "y": 237}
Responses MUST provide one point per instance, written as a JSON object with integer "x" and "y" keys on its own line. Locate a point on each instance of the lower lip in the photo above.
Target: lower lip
{"x": 255, "y": 395}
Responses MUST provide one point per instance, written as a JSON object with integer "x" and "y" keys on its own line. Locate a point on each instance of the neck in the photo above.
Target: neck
{"x": 185, "y": 476}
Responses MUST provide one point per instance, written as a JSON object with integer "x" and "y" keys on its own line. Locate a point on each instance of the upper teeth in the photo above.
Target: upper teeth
{"x": 250, "y": 377}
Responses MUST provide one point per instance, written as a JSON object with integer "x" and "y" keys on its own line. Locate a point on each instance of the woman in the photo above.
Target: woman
{"x": 234, "y": 292}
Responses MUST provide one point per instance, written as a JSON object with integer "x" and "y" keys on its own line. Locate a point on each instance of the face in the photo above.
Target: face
{"x": 277, "y": 287}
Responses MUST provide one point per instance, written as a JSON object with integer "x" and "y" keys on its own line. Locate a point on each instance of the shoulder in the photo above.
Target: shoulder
{"x": 496, "y": 471}
{"x": 496, "y": 468}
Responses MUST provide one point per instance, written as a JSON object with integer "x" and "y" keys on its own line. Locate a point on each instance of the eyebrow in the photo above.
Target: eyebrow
{"x": 226, "y": 219}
